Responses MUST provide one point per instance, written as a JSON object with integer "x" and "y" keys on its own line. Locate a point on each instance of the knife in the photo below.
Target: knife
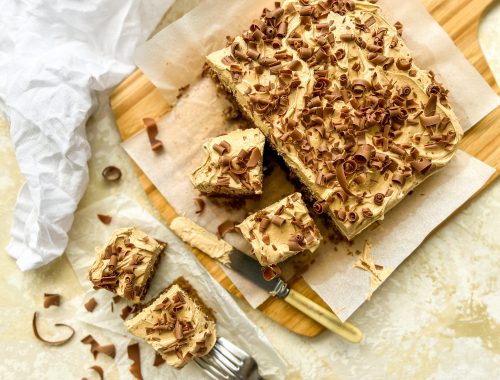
{"x": 208, "y": 243}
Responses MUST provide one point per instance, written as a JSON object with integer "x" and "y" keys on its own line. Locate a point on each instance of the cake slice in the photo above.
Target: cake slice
{"x": 281, "y": 230}
{"x": 126, "y": 265}
{"x": 177, "y": 324}
{"x": 232, "y": 165}
{"x": 337, "y": 94}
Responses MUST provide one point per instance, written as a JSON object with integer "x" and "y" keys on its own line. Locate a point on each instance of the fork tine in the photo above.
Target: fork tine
{"x": 228, "y": 364}
{"x": 211, "y": 370}
{"x": 228, "y": 355}
{"x": 232, "y": 349}
{"x": 215, "y": 360}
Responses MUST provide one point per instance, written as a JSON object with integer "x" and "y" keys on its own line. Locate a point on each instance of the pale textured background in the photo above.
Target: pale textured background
{"x": 438, "y": 316}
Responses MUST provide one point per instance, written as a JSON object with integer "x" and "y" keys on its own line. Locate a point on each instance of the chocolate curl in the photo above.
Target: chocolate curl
{"x": 319, "y": 207}
{"x": 90, "y": 305}
{"x": 99, "y": 371}
{"x": 294, "y": 65}
{"x": 404, "y": 64}
{"x": 342, "y": 178}
{"x": 347, "y": 37}
{"x": 367, "y": 213}
{"x": 47, "y": 342}
{"x": 305, "y": 53}
{"x": 296, "y": 243}
{"x": 125, "y": 312}
{"x": 223, "y": 181}
{"x": 398, "y": 177}
{"x": 111, "y": 173}
{"x": 422, "y": 166}
{"x": 352, "y": 217}
{"x": 378, "y": 199}
{"x": 225, "y": 227}
{"x": 277, "y": 220}
{"x": 253, "y": 54}
{"x": 200, "y": 205}
{"x": 105, "y": 219}
{"x": 134, "y": 354}
{"x": 152, "y": 131}
{"x": 282, "y": 29}
{"x": 271, "y": 272}
{"x": 51, "y": 300}
{"x": 95, "y": 347}
{"x": 429, "y": 121}
{"x": 430, "y": 107}
{"x": 219, "y": 149}
{"x": 363, "y": 154}
{"x": 341, "y": 215}
{"x": 264, "y": 224}
{"x": 255, "y": 158}
{"x": 359, "y": 86}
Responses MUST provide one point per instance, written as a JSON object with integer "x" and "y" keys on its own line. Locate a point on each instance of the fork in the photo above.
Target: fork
{"x": 226, "y": 361}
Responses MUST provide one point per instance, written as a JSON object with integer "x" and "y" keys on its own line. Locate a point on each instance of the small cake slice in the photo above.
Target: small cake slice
{"x": 177, "y": 324}
{"x": 233, "y": 164}
{"x": 281, "y": 230}
{"x": 126, "y": 265}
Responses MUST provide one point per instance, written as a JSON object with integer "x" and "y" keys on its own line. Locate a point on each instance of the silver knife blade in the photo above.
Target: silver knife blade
{"x": 250, "y": 269}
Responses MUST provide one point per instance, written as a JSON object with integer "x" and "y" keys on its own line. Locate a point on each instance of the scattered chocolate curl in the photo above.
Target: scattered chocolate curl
{"x": 111, "y": 173}
{"x": 152, "y": 131}
{"x": 95, "y": 347}
{"x": 99, "y": 371}
{"x": 90, "y": 305}
{"x": 134, "y": 354}
{"x": 51, "y": 300}
{"x": 106, "y": 219}
{"x": 47, "y": 342}
{"x": 225, "y": 227}
{"x": 200, "y": 205}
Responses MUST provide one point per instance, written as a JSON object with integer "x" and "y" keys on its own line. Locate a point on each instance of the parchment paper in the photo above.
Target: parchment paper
{"x": 88, "y": 232}
{"x": 199, "y": 115}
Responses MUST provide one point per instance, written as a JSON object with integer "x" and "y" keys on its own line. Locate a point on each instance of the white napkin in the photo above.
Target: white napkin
{"x": 54, "y": 54}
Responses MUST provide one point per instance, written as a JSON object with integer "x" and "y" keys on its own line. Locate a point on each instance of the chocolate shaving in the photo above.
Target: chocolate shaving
{"x": 255, "y": 158}
{"x": 105, "y": 219}
{"x": 95, "y": 347}
{"x": 319, "y": 207}
{"x": 158, "y": 360}
{"x": 47, "y": 342}
{"x": 271, "y": 272}
{"x": 278, "y": 220}
{"x": 378, "y": 199}
{"x": 152, "y": 131}
{"x": 125, "y": 312}
{"x": 430, "y": 107}
{"x": 342, "y": 179}
{"x": 111, "y": 173}
{"x": 134, "y": 354}
{"x": 200, "y": 205}
{"x": 347, "y": 37}
{"x": 404, "y": 64}
{"x": 264, "y": 224}
{"x": 99, "y": 371}
{"x": 51, "y": 300}
{"x": 225, "y": 227}
{"x": 90, "y": 305}
{"x": 428, "y": 121}
{"x": 422, "y": 166}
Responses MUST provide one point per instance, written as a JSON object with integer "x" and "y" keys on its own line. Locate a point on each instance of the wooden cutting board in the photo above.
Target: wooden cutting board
{"x": 136, "y": 98}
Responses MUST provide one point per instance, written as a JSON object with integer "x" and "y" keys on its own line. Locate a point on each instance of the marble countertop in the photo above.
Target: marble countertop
{"x": 437, "y": 316}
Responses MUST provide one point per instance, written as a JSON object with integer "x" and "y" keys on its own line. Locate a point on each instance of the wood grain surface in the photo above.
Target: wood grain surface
{"x": 136, "y": 98}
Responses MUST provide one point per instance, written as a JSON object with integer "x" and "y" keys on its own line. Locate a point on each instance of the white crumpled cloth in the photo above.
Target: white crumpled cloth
{"x": 54, "y": 55}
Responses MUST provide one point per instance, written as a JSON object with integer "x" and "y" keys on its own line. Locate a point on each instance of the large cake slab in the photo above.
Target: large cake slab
{"x": 334, "y": 89}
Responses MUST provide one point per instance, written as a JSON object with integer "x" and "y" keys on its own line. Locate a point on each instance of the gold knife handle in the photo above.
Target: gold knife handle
{"x": 321, "y": 315}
